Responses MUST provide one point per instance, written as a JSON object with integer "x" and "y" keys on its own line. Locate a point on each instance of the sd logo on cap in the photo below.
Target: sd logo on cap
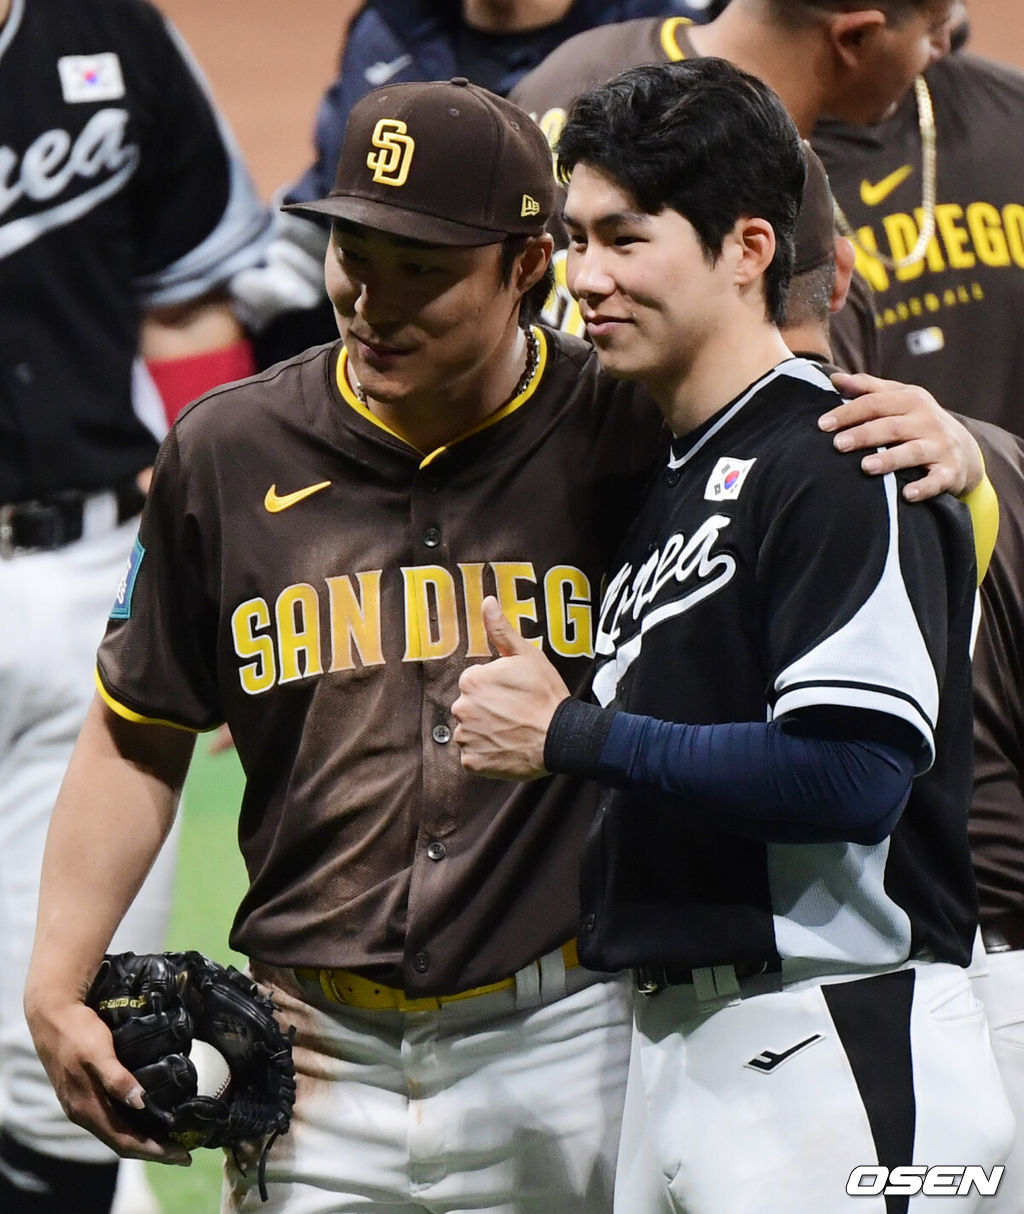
{"x": 444, "y": 162}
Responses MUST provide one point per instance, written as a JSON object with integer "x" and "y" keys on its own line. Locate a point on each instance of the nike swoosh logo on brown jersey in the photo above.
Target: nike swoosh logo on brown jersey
{"x": 275, "y": 503}
{"x": 872, "y": 195}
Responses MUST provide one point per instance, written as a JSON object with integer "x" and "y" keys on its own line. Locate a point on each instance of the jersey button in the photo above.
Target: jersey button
{"x": 432, "y": 537}
{"x": 421, "y": 963}
{"x": 672, "y": 477}
{"x": 437, "y": 851}
{"x": 441, "y": 734}
{"x": 24, "y": 373}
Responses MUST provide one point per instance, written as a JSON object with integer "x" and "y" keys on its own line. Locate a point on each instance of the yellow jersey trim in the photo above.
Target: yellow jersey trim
{"x": 353, "y": 401}
{"x": 137, "y": 718}
{"x": 983, "y": 504}
{"x": 668, "y": 38}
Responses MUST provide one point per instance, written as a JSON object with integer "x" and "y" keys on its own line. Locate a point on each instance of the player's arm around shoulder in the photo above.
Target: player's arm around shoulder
{"x": 114, "y": 810}
{"x": 927, "y": 552}
{"x": 902, "y": 427}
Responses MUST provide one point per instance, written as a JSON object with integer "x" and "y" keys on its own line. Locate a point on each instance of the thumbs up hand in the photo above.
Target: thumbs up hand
{"x": 506, "y": 706}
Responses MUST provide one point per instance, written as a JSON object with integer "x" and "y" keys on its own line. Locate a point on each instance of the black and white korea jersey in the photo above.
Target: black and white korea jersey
{"x": 768, "y": 576}
{"x": 121, "y": 189}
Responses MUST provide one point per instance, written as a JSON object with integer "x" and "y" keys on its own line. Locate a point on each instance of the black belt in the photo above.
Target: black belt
{"x": 651, "y": 978}
{"x": 1004, "y": 933}
{"x": 57, "y": 519}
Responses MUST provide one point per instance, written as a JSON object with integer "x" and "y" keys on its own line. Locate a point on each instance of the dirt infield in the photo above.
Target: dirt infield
{"x": 268, "y": 61}
{"x": 998, "y": 30}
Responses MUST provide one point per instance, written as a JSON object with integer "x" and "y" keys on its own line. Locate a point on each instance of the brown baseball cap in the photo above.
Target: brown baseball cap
{"x": 444, "y": 162}
{"x": 815, "y": 235}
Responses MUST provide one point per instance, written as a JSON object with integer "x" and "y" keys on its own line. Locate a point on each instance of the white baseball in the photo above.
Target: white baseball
{"x": 213, "y": 1074}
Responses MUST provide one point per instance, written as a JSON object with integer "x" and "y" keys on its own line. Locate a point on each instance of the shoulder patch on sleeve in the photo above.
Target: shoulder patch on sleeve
{"x": 122, "y": 608}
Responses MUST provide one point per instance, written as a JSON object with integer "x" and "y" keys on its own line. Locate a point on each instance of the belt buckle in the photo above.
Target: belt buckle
{"x": 7, "y": 545}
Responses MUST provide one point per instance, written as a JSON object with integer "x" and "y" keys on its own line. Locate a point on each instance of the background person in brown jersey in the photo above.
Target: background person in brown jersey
{"x": 312, "y": 562}
{"x": 940, "y": 233}
{"x": 835, "y": 57}
{"x": 996, "y": 824}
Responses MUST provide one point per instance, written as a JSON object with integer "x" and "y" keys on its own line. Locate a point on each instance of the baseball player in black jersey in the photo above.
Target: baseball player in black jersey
{"x": 996, "y": 822}
{"x": 782, "y": 647}
{"x": 310, "y": 568}
{"x": 124, "y": 208}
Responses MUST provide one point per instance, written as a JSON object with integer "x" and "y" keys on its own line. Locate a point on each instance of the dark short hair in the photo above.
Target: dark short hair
{"x": 700, "y": 137}
{"x": 810, "y": 295}
{"x": 801, "y": 11}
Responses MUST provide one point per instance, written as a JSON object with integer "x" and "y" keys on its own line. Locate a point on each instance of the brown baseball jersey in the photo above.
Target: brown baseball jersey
{"x": 591, "y": 58}
{"x": 997, "y": 808}
{"x": 307, "y": 576}
{"x": 959, "y": 305}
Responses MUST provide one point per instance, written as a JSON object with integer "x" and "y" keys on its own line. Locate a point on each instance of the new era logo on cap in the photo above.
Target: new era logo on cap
{"x": 530, "y": 206}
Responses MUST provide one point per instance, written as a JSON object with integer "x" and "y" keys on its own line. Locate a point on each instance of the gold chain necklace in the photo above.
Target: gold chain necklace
{"x": 532, "y": 363}
{"x": 926, "y": 125}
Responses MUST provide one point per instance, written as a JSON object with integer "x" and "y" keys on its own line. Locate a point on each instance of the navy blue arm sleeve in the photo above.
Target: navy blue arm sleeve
{"x": 760, "y": 780}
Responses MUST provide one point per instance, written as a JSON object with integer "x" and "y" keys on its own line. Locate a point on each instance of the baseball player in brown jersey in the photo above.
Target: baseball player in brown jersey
{"x": 996, "y": 822}
{"x": 996, "y": 825}
{"x": 311, "y": 567}
{"x": 934, "y": 199}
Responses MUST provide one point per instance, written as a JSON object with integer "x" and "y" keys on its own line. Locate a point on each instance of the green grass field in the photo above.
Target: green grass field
{"x": 210, "y": 883}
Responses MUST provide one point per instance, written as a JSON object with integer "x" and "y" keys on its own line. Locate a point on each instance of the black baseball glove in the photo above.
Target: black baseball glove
{"x": 156, "y": 1005}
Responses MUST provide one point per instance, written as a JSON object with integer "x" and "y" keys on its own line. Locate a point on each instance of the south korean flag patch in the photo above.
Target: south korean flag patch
{"x": 91, "y": 77}
{"x": 725, "y": 483}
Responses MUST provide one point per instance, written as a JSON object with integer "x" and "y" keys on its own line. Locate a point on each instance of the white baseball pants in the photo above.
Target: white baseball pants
{"x": 509, "y": 1103}
{"x": 998, "y": 980}
{"x": 53, "y": 609}
{"x": 768, "y": 1103}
